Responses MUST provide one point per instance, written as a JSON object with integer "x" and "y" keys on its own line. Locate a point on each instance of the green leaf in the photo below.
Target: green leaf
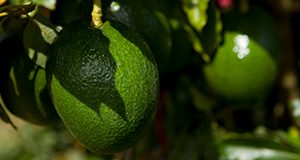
{"x": 252, "y": 148}
{"x": 49, "y": 4}
{"x": 211, "y": 35}
{"x": 200, "y": 100}
{"x": 17, "y": 10}
{"x": 196, "y": 42}
{"x": 195, "y": 11}
{"x": 37, "y": 37}
{"x": 291, "y": 136}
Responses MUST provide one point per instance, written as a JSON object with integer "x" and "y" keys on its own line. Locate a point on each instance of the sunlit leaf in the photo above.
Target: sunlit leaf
{"x": 195, "y": 11}
{"x": 37, "y": 37}
{"x": 49, "y": 4}
{"x": 291, "y": 136}
{"x": 257, "y": 149}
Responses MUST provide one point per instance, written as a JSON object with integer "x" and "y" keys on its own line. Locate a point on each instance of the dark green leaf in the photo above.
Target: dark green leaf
{"x": 196, "y": 42}
{"x": 37, "y": 37}
{"x": 252, "y": 148}
{"x": 201, "y": 100}
{"x": 211, "y": 35}
{"x": 17, "y": 10}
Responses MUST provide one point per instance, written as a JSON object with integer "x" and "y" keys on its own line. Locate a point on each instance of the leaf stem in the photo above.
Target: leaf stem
{"x": 97, "y": 14}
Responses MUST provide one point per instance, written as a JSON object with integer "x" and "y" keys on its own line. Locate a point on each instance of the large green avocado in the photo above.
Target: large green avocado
{"x": 241, "y": 70}
{"x": 245, "y": 66}
{"x": 257, "y": 23}
{"x": 104, "y": 84}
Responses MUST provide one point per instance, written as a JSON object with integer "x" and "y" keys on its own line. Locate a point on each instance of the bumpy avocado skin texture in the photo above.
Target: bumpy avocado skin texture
{"x": 25, "y": 93}
{"x": 104, "y": 85}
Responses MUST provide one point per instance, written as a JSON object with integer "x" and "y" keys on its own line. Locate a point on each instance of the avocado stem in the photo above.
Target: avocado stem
{"x": 97, "y": 14}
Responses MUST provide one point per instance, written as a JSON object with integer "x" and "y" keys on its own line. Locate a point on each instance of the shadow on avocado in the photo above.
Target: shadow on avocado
{"x": 85, "y": 73}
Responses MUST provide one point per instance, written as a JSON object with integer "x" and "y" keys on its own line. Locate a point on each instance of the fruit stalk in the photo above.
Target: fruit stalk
{"x": 97, "y": 14}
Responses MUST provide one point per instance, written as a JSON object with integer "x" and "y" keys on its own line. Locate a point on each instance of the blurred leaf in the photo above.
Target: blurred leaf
{"x": 194, "y": 39}
{"x": 196, "y": 42}
{"x": 294, "y": 106}
{"x": 37, "y": 37}
{"x": 253, "y": 148}
{"x": 211, "y": 35}
{"x": 201, "y": 100}
{"x": 205, "y": 138}
{"x": 292, "y": 136}
{"x": 49, "y": 4}
{"x": 196, "y": 142}
{"x": 185, "y": 148}
{"x": 18, "y": 2}
{"x": 11, "y": 26}
{"x": 16, "y": 10}
{"x": 195, "y": 11}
